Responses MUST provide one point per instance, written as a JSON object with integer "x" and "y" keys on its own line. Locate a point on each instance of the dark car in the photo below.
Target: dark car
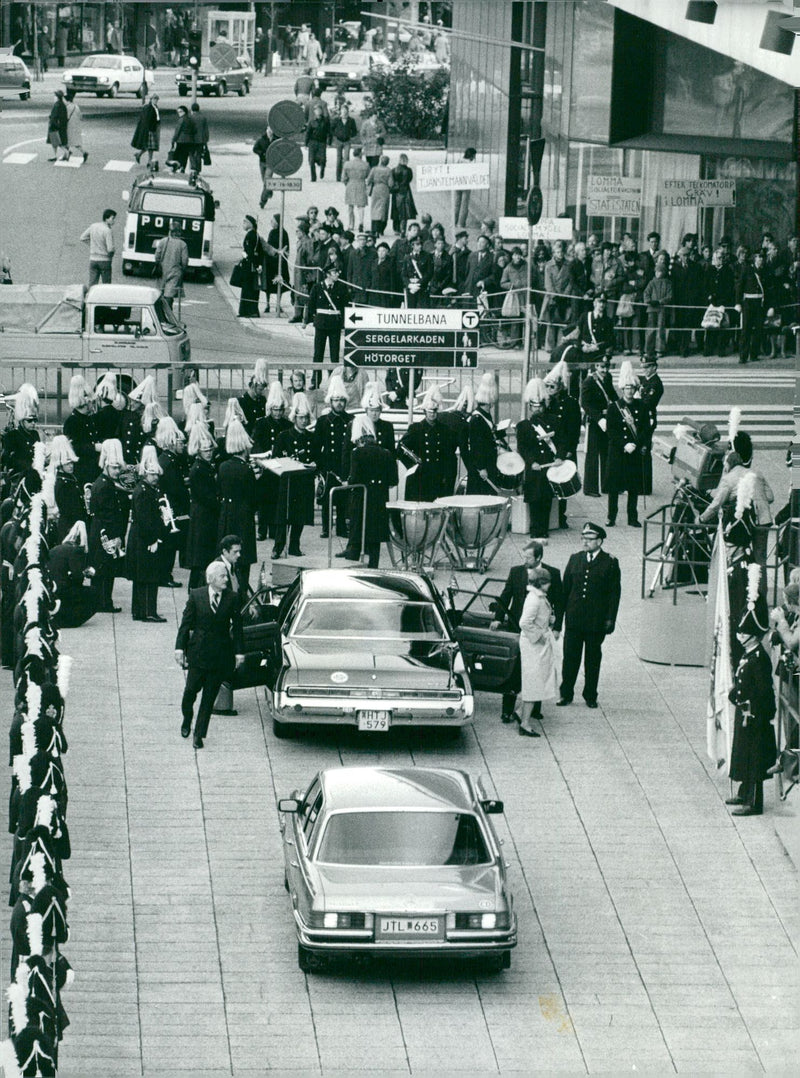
{"x": 401, "y": 862}
{"x": 237, "y": 77}
{"x": 371, "y": 649}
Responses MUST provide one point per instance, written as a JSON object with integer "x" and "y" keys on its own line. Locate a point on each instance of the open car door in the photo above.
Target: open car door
{"x": 490, "y": 654}
{"x": 261, "y": 632}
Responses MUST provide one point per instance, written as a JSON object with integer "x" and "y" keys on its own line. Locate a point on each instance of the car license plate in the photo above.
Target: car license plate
{"x": 374, "y": 720}
{"x": 400, "y": 926}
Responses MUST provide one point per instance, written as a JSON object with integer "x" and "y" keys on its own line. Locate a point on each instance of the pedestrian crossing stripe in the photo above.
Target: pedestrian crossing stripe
{"x": 118, "y": 166}
{"x": 70, "y": 162}
{"x": 19, "y": 158}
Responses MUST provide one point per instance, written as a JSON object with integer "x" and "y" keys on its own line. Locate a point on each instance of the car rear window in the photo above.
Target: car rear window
{"x": 375, "y": 619}
{"x": 402, "y": 838}
{"x": 175, "y": 205}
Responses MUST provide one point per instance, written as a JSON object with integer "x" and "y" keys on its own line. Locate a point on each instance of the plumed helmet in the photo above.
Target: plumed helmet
{"x": 626, "y": 376}
{"x": 557, "y": 373}
{"x": 111, "y": 453}
{"x": 237, "y": 439}
{"x": 371, "y": 397}
{"x": 148, "y": 462}
{"x": 465, "y": 401}
{"x": 432, "y": 401}
{"x": 535, "y": 391}
{"x": 78, "y": 391}
{"x": 145, "y": 392}
{"x": 336, "y": 388}
{"x": 192, "y": 394}
{"x": 486, "y": 393}
{"x": 200, "y": 438}
{"x": 61, "y": 452}
{"x": 276, "y": 398}
{"x": 300, "y": 406}
{"x": 168, "y": 436}
{"x": 233, "y": 410}
{"x": 152, "y": 415}
{"x": 362, "y": 426}
{"x": 106, "y": 388}
{"x": 26, "y": 403}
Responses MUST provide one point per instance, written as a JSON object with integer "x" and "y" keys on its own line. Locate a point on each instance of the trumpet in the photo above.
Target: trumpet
{"x": 112, "y": 547}
{"x": 167, "y": 516}
{"x": 87, "y": 498}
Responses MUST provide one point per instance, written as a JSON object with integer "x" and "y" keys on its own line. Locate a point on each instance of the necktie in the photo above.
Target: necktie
{"x": 214, "y": 603}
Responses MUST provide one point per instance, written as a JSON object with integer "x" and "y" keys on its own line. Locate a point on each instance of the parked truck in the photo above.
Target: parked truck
{"x": 107, "y": 323}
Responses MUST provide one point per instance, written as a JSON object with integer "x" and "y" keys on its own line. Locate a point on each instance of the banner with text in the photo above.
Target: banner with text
{"x": 613, "y": 196}
{"x": 548, "y": 228}
{"x": 458, "y": 176}
{"x": 698, "y": 193}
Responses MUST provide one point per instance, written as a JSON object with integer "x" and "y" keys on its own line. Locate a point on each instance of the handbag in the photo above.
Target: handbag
{"x": 206, "y": 155}
{"x": 240, "y": 274}
{"x": 625, "y": 306}
{"x": 714, "y": 317}
{"x": 510, "y": 308}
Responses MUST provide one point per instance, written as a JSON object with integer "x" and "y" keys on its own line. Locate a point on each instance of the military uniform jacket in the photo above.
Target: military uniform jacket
{"x": 236, "y": 486}
{"x": 201, "y": 543}
{"x": 296, "y": 489}
{"x": 266, "y": 431}
{"x": 326, "y": 304}
{"x": 175, "y": 483}
{"x": 70, "y": 502}
{"x": 754, "y": 748}
{"x": 18, "y": 446}
{"x": 629, "y": 471}
{"x": 130, "y": 434}
{"x": 435, "y": 445}
{"x": 79, "y": 427}
{"x": 384, "y": 437}
{"x": 591, "y": 592}
{"x": 651, "y": 390}
{"x": 147, "y": 527}
{"x": 481, "y": 446}
{"x": 376, "y": 468}
{"x": 254, "y": 408}
{"x": 535, "y": 448}
{"x": 110, "y": 507}
{"x": 564, "y": 415}
{"x": 331, "y": 433}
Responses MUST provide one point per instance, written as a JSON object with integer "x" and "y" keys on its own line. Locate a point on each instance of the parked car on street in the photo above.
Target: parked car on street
{"x": 238, "y": 76}
{"x": 15, "y": 78}
{"x": 347, "y": 69}
{"x": 396, "y": 862}
{"x": 108, "y": 74}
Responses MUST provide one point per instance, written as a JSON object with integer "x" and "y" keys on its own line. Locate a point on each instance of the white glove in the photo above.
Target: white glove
{"x": 630, "y": 447}
{"x": 602, "y": 423}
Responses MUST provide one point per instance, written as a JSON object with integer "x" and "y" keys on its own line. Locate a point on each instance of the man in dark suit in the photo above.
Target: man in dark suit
{"x": 210, "y": 645}
{"x": 591, "y": 600}
{"x": 509, "y": 607}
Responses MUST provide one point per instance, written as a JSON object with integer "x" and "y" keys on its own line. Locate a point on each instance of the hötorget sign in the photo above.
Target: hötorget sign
{"x": 698, "y": 193}
{"x": 398, "y": 357}
{"x": 457, "y": 176}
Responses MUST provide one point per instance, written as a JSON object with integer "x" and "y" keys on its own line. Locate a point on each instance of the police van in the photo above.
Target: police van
{"x": 154, "y": 203}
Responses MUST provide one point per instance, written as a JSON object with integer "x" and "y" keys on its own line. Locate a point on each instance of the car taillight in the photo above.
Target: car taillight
{"x": 206, "y": 247}
{"x": 341, "y": 920}
{"x": 131, "y": 239}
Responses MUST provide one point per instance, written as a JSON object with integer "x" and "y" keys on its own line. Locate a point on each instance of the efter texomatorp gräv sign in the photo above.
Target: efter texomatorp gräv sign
{"x": 389, "y": 337}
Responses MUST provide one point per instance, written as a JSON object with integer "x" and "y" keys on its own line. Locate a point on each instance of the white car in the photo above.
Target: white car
{"x": 108, "y": 74}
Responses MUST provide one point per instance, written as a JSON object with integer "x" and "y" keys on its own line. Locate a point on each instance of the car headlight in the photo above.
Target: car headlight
{"x": 103, "y": 78}
{"x": 486, "y": 921}
{"x": 352, "y": 74}
{"x": 68, "y": 78}
{"x": 321, "y": 72}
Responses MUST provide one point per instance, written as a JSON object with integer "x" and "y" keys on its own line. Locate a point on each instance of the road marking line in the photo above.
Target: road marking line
{"x": 19, "y": 158}
{"x": 118, "y": 166}
{"x": 25, "y": 142}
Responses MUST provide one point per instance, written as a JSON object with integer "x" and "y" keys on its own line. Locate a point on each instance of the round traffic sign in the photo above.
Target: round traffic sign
{"x": 284, "y": 157}
{"x": 533, "y": 206}
{"x": 470, "y": 319}
{"x": 286, "y": 118}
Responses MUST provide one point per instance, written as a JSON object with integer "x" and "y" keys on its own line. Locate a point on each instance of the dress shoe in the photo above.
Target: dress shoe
{"x": 198, "y": 742}
{"x": 525, "y": 732}
{"x": 735, "y": 801}
{"x": 294, "y": 320}
{"x": 136, "y": 617}
{"x": 346, "y": 554}
{"x": 746, "y": 810}
{"x": 224, "y": 711}
{"x": 634, "y": 524}
{"x": 776, "y": 769}
{"x": 611, "y": 523}
{"x": 85, "y": 158}
{"x": 155, "y": 618}
{"x": 565, "y": 701}
{"x": 110, "y": 610}
{"x": 591, "y": 703}
{"x": 172, "y": 584}
{"x": 324, "y": 535}
{"x": 277, "y": 552}
{"x": 563, "y": 526}
{"x": 261, "y": 537}
{"x": 513, "y": 717}
{"x": 186, "y": 729}
{"x": 295, "y": 552}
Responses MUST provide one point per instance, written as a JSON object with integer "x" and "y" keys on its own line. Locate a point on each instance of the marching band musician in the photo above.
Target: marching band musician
{"x": 536, "y": 446}
{"x": 375, "y": 468}
{"x": 69, "y": 570}
{"x": 19, "y": 439}
{"x": 431, "y": 445}
{"x": 597, "y": 393}
{"x": 457, "y": 419}
{"x": 233, "y": 411}
{"x": 252, "y": 401}
{"x": 131, "y": 420}
{"x": 107, "y": 416}
{"x": 481, "y": 442}
{"x": 296, "y": 492}
{"x": 331, "y": 433}
{"x": 151, "y": 417}
{"x": 171, "y": 446}
{"x": 236, "y": 486}
{"x": 265, "y": 434}
{"x": 563, "y": 413}
{"x": 196, "y": 410}
{"x": 372, "y": 403}
{"x": 69, "y": 492}
{"x": 629, "y": 466}
{"x": 201, "y": 540}
{"x": 109, "y": 506}
{"x": 80, "y": 428}
{"x": 150, "y": 526}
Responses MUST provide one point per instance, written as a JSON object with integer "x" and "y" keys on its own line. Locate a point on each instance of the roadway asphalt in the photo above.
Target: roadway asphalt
{"x": 657, "y": 932}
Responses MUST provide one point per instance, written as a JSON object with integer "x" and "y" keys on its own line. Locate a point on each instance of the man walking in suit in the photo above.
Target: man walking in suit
{"x": 210, "y": 645}
{"x": 509, "y": 607}
{"x": 591, "y": 600}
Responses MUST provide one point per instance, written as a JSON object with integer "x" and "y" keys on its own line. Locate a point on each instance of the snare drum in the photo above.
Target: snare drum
{"x": 510, "y": 469}
{"x": 477, "y": 523}
{"x": 415, "y": 529}
{"x": 564, "y": 479}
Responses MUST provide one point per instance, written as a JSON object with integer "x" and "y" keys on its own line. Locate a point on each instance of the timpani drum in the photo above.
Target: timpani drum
{"x": 476, "y": 527}
{"x": 564, "y": 479}
{"x": 415, "y": 530}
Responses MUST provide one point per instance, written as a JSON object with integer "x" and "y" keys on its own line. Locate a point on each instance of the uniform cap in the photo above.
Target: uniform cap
{"x": 594, "y": 530}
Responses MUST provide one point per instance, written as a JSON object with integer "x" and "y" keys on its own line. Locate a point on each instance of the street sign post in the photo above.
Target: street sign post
{"x": 283, "y": 157}
{"x": 387, "y": 337}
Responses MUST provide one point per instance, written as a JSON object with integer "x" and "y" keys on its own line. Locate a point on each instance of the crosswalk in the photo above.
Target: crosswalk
{"x": 19, "y": 157}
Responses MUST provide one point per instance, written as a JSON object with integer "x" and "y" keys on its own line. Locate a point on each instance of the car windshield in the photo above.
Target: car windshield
{"x": 349, "y": 57}
{"x": 176, "y": 205}
{"x": 102, "y": 61}
{"x": 384, "y": 619}
{"x": 402, "y": 838}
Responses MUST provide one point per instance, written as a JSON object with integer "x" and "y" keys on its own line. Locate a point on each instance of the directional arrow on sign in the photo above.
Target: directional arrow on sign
{"x": 355, "y": 318}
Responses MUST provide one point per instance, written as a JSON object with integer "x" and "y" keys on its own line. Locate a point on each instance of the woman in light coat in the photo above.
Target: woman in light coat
{"x": 354, "y": 174}
{"x": 74, "y": 130}
{"x": 380, "y": 194}
{"x": 537, "y": 651}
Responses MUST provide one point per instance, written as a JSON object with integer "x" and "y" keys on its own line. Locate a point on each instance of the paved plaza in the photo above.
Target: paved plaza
{"x": 657, "y": 933}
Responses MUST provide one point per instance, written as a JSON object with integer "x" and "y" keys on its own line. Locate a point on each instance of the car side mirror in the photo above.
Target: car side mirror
{"x": 492, "y": 807}
{"x": 288, "y": 804}
{"x": 125, "y": 196}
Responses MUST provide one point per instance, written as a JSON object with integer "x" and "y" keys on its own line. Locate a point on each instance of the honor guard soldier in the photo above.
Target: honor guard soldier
{"x": 130, "y": 429}
{"x": 325, "y": 308}
{"x": 597, "y": 392}
{"x": 265, "y": 434}
{"x": 651, "y": 388}
{"x": 175, "y": 485}
{"x": 296, "y": 493}
{"x": 537, "y": 448}
{"x": 431, "y": 447}
{"x": 252, "y": 400}
{"x": 151, "y": 517}
{"x": 630, "y": 433}
{"x": 18, "y": 440}
{"x": 376, "y": 469}
{"x": 372, "y": 403}
{"x": 481, "y": 443}
{"x": 563, "y": 414}
{"x": 109, "y": 505}
{"x": 591, "y": 595}
{"x": 457, "y": 419}
{"x": 332, "y": 432}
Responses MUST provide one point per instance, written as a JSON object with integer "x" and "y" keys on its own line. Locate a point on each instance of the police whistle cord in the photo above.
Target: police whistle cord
{"x": 38, "y": 804}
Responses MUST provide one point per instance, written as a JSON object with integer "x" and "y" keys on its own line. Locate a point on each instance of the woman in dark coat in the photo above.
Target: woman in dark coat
{"x": 251, "y": 268}
{"x": 629, "y": 464}
{"x": 183, "y": 138}
{"x": 201, "y": 544}
{"x": 597, "y": 392}
{"x": 275, "y": 266}
{"x": 68, "y": 562}
{"x": 57, "y": 127}
{"x": 265, "y": 434}
{"x": 403, "y": 208}
{"x": 69, "y": 492}
{"x": 147, "y": 534}
{"x": 754, "y": 748}
{"x": 147, "y": 133}
{"x": 296, "y": 493}
{"x": 236, "y": 486}
{"x": 383, "y": 287}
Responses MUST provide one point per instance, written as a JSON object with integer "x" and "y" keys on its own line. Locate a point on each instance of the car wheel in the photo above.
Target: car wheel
{"x": 142, "y": 91}
{"x": 246, "y": 87}
{"x": 114, "y": 90}
{"x": 242, "y": 90}
{"x": 281, "y": 730}
{"x": 99, "y": 93}
{"x": 221, "y": 89}
{"x": 183, "y": 91}
{"x": 26, "y": 96}
{"x": 306, "y": 960}
{"x": 127, "y": 269}
{"x": 499, "y": 962}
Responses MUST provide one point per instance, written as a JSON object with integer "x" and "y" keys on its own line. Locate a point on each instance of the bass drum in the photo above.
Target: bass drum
{"x": 475, "y": 529}
{"x": 510, "y": 470}
{"x": 415, "y": 530}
